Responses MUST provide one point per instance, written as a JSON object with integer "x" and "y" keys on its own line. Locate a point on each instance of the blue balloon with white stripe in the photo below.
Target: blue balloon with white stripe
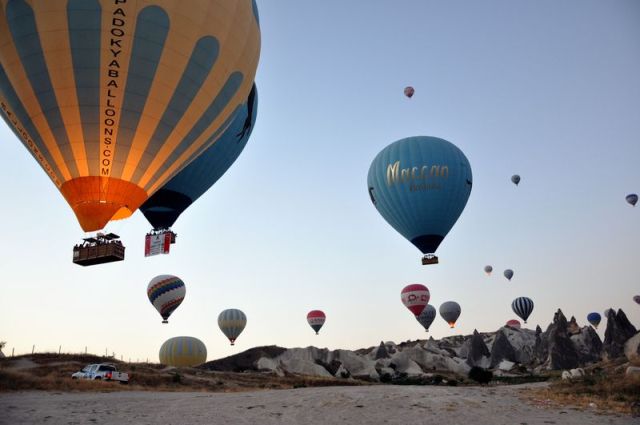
{"x": 420, "y": 185}
{"x": 523, "y": 307}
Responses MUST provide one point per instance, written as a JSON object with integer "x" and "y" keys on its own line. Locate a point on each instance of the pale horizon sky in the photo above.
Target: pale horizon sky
{"x": 548, "y": 90}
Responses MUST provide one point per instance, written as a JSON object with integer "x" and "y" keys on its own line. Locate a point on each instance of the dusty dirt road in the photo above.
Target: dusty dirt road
{"x": 330, "y": 405}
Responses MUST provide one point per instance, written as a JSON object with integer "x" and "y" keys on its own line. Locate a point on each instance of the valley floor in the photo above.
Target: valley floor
{"x": 377, "y": 404}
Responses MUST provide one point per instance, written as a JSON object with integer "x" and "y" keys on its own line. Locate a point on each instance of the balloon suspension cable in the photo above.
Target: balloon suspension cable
{"x": 317, "y": 333}
{"x": 429, "y": 259}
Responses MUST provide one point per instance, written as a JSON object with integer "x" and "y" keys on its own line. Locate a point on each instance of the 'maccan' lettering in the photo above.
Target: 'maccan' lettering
{"x": 397, "y": 174}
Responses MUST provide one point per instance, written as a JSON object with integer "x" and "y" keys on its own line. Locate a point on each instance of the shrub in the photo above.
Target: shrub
{"x": 480, "y": 375}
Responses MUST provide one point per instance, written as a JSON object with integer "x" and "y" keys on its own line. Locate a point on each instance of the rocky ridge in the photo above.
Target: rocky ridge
{"x": 508, "y": 351}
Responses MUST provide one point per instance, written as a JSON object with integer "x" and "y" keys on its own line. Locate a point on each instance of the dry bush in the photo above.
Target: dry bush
{"x": 605, "y": 385}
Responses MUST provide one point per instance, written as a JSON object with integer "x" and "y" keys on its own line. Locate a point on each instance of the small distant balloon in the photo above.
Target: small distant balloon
{"x": 632, "y": 199}
{"x": 488, "y": 270}
{"x": 450, "y": 311}
{"x": 523, "y": 307}
{"x": 316, "y": 319}
{"x": 427, "y": 316}
{"x": 415, "y": 297}
{"x": 514, "y": 324}
{"x": 515, "y": 179}
{"x": 232, "y": 323}
{"x": 508, "y": 274}
{"x": 409, "y": 91}
{"x": 636, "y": 298}
{"x": 594, "y": 318}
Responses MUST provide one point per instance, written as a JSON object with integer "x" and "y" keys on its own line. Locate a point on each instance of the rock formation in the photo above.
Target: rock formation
{"x": 632, "y": 348}
{"x": 618, "y": 331}
{"x": 562, "y": 352}
{"x": 502, "y": 350}
{"x": 478, "y": 354}
{"x": 381, "y": 352}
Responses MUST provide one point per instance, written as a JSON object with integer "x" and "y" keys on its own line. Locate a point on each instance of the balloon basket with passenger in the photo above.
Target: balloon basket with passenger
{"x": 100, "y": 249}
{"x": 429, "y": 259}
{"x": 159, "y": 241}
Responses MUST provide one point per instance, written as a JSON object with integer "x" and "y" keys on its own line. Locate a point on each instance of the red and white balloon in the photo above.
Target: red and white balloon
{"x": 415, "y": 297}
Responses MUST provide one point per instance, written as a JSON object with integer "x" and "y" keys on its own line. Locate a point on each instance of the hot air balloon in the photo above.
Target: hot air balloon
{"x": 522, "y": 306}
{"x": 488, "y": 270}
{"x": 632, "y": 199}
{"x": 420, "y": 185}
{"x": 636, "y": 298}
{"x": 166, "y": 293}
{"x": 232, "y": 323}
{"x": 316, "y": 319}
{"x": 515, "y": 179}
{"x": 183, "y": 351}
{"x": 427, "y": 316}
{"x": 415, "y": 297}
{"x": 594, "y": 318}
{"x": 114, "y": 100}
{"x": 514, "y": 324}
{"x": 508, "y": 274}
{"x": 608, "y": 311}
{"x": 164, "y": 207}
{"x": 409, "y": 91}
{"x": 450, "y": 311}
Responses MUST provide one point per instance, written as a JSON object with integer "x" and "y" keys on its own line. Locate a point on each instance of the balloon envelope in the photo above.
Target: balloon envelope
{"x": 450, "y": 311}
{"x": 114, "y": 99}
{"x": 415, "y": 297}
{"x": 522, "y": 306}
{"x": 508, "y": 274}
{"x": 183, "y": 351}
{"x": 164, "y": 207}
{"x": 316, "y": 319}
{"x": 594, "y": 318}
{"x": 420, "y": 185}
{"x": 515, "y": 179}
{"x": 488, "y": 269}
{"x": 632, "y": 199}
{"x": 166, "y": 293}
{"x": 513, "y": 323}
{"x": 232, "y": 323}
{"x": 409, "y": 91}
{"x": 427, "y": 316}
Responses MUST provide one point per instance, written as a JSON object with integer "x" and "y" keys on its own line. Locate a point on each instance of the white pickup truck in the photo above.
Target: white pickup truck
{"x": 102, "y": 371}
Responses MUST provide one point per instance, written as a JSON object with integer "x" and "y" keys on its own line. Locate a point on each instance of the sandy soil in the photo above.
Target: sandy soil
{"x": 329, "y": 405}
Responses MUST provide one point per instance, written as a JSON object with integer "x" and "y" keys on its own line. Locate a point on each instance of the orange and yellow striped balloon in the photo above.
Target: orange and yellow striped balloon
{"x": 114, "y": 97}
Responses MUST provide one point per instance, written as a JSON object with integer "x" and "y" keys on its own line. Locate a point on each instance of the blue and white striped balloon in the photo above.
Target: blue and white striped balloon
{"x": 522, "y": 306}
{"x": 232, "y": 323}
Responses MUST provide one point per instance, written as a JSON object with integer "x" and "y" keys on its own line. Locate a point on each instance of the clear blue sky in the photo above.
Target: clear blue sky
{"x": 549, "y": 90}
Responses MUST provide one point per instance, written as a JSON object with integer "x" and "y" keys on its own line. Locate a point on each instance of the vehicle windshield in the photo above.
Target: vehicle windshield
{"x": 105, "y": 368}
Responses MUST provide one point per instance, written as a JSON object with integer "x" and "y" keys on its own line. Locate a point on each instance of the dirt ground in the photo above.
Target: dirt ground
{"x": 331, "y": 405}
